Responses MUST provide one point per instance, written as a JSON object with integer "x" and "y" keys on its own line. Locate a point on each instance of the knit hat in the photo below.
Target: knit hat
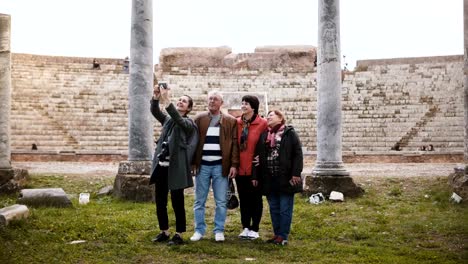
{"x": 253, "y": 102}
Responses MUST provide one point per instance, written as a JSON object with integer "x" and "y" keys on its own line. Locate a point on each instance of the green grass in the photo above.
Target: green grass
{"x": 392, "y": 223}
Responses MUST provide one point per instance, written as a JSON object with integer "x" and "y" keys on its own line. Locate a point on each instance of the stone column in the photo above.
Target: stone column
{"x": 140, "y": 143}
{"x": 11, "y": 180}
{"x": 458, "y": 180}
{"x": 132, "y": 179}
{"x": 465, "y": 29}
{"x": 5, "y": 92}
{"x": 329, "y": 173}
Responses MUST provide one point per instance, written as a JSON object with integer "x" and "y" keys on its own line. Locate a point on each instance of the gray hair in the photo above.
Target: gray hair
{"x": 216, "y": 93}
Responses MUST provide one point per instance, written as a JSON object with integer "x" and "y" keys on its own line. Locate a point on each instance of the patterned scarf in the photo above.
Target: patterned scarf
{"x": 245, "y": 131}
{"x": 274, "y": 133}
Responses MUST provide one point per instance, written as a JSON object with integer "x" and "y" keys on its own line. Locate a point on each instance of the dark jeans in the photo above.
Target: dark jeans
{"x": 281, "y": 211}
{"x": 177, "y": 199}
{"x": 250, "y": 201}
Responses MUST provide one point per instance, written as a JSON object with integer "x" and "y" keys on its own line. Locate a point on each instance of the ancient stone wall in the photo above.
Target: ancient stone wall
{"x": 63, "y": 104}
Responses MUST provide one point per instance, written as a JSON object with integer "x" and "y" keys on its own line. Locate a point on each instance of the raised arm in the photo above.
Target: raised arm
{"x": 155, "y": 108}
{"x": 184, "y": 123}
{"x": 156, "y": 111}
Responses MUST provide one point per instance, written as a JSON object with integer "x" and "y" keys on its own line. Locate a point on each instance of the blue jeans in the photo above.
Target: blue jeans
{"x": 213, "y": 174}
{"x": 281, "y": 210}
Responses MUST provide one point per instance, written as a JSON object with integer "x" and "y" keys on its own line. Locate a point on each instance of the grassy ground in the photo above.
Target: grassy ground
{"x": 397, "y": 221}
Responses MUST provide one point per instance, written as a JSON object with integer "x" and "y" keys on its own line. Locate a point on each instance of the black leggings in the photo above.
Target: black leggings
{"x": 251, "y": 203}
{"x": 177, "y": 199}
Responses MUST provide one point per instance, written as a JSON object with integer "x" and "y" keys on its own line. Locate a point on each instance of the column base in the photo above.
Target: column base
{"x": 132, "y": 181}
{"x": 330, "y": 168}
{"x": 458, "y": 180}
{"x": 326, "y": 184}
{"x": 12, "y": 180}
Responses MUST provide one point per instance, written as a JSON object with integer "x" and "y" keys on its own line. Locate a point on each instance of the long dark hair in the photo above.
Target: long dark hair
{"x": 190, "y": 104}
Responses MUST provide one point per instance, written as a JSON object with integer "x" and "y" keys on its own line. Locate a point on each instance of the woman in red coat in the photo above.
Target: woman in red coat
{"x": 249, "y": 127}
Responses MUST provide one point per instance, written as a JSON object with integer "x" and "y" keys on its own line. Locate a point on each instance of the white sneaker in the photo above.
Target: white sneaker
{"x": 253, "y": 235}
{"x": 196, "y": 236}
{"x": 219, "y": 237}
{"x": 244, "y": 233}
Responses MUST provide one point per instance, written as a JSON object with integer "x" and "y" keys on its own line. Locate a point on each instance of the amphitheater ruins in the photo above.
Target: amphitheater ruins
{"x": 68, "y": 109}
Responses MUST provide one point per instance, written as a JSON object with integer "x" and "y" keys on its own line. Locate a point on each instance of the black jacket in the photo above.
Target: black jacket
{"x": 179, "y": 176}
{"x": 291, "y": 162}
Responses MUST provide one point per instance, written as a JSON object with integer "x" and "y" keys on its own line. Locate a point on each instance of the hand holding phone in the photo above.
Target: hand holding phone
{"x": 163, "y": 85}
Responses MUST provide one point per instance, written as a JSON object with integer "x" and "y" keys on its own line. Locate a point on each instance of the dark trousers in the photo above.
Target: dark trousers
{"x": 250, "y": 202}
{"x": 177, "y": 199}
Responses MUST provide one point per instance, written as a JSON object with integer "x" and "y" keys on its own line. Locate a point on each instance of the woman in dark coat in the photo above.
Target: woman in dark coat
{"x": 278, "y": 172}
{"x": 171, "y": 161}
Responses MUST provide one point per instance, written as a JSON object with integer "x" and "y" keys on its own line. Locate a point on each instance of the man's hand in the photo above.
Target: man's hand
{"x": 232, "y": 172}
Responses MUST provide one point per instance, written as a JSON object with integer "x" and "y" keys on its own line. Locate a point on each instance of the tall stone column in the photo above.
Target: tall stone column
{"x": 132, "y": 179}
{"x": 5, "y": 92}
{"x": 465, "y": 29}
{"x": 329, "y": 173}
{"x": 11, "y": 180}
{"x": 458, "y": 180}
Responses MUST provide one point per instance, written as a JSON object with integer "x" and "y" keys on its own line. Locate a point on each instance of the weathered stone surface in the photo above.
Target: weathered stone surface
{"x": 274, "y": 58}
{"x": 327, "y": 184}
{"x": 133, "y": 187}
{"x": 105, "y": 191}
{"x": 54, "y": 197}
{"x": 14, "y": 212}
{"x": 6, "y": 175}
{"x": 5, "y": 91}
{"x": 132, "y": 181}
{"x": 459, "y": 182}
{"x": 135, "y": 167}
{"x": 140, "y": 87}
{"x": 193, "y": 57}
{"x": 390, "y": 100}
{"x": 17, "y": 179}
{"x": 329, "y": 112}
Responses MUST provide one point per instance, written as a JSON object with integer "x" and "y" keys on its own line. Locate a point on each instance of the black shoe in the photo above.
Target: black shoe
{"x": 280, "y": 241}
{"x": 272, "y": 240}
{"x": 160, "y": 238}
{"x": 176, "y": 240}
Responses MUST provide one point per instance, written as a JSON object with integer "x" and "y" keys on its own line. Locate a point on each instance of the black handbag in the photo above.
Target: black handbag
{"x": 232, "y": 201}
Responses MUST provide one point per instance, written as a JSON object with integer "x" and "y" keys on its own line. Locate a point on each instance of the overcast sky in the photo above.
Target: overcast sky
{"x": 370, "y": 29}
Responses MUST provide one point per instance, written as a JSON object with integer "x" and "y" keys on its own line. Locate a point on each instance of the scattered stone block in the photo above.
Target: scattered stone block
{"x": 55, "y": 197}
{"x": 84, "y": 198}
{"x": 456, "y": 198}
{"x": 14, "y": 212}
{"x": 336, "y": 196}
{"x": 105, "y": 190}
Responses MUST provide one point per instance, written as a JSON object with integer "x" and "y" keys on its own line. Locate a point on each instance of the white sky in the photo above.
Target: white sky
{"x": 370, "y": 29}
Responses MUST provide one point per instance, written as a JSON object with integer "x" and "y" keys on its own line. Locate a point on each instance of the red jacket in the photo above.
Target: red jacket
{"x": 256, "y": 128}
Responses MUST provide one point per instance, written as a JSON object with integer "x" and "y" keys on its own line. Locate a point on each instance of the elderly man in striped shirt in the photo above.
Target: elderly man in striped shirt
{"x": 216, "y": 159}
